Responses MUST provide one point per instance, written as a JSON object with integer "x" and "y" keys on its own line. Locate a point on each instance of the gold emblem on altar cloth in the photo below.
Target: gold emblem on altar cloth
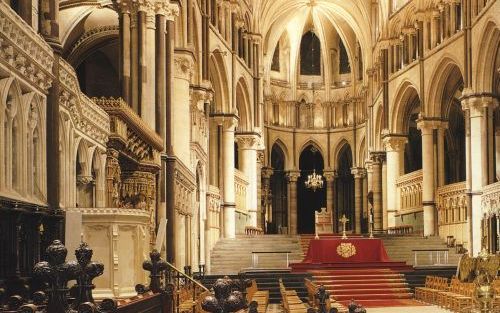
{"x": 346, "y": 250}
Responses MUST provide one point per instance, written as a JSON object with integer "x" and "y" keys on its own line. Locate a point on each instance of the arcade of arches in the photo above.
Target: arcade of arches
{"x": 211, "y": 114}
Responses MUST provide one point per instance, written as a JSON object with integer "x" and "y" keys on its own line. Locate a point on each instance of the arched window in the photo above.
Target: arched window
{"x": 345, "y": 66}
{"x": 275, "y": 66}
{"x": 310, "y": 54}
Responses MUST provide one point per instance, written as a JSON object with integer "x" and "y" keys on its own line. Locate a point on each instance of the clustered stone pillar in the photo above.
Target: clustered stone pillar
{"x": 248, "y": 145}
{"x": 394, "y": 145}
{"x": 428, "y": 180}
{"x": 292, "y": 177}
{"x": 359, "y": 174}
{"x": 229, "y": 123}
{"x": 137, "y": 53}
{"x": 378, "y": 158}
{"x": 479, "y": 156}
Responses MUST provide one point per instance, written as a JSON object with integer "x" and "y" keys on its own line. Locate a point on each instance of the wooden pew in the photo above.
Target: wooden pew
{"x": 291, "y": 301}
{"x": 312, "y": 289}
{"x": 259, "y": 296}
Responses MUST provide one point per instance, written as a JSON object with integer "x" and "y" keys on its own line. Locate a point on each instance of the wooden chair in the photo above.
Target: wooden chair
{"x": 312, "y": 289}
{"x": 259, "y": 296}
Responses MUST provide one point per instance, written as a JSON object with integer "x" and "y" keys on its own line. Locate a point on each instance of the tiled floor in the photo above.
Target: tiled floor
{"x": 275, "y": 308}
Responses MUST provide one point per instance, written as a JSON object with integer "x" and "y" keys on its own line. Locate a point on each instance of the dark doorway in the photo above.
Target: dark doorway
{"x": 309, "y": 201}
{"x": 344, "y": 191}
{"x": 279, "y": 216}
{"x": 413, "y": 148}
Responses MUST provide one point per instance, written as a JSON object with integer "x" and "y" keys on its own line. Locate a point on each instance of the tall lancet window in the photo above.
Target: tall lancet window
{"x": 310, "y": 54}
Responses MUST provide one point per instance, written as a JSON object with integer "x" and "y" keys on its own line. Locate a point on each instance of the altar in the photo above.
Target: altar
{"x": 352, "y": 250}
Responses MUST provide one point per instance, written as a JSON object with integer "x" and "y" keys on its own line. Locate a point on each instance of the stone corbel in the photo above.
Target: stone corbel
{"x": 168, "y": 9}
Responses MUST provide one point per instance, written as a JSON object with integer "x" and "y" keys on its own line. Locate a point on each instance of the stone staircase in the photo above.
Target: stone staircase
{"x": 230, "y": 256}
{"x": 399, "y": 248}
{"x": 363, "y": 284}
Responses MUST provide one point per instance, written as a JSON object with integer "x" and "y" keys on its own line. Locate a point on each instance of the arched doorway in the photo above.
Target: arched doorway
{"x": 344, "y": 191}
{"x": 309, "y": 201}
{"x": 279, "y": 216}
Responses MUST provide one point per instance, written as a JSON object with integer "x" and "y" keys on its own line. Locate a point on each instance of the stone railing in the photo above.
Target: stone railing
{"x": 409, "y": 188}
{"x": 490, "y": 199}
{"x": 240, "y": 189}
{"x": 23, "y": 50}
{"x": 87, "y": 117}
{"x": 451, "y": 202}
{"x": 142, "y": 143}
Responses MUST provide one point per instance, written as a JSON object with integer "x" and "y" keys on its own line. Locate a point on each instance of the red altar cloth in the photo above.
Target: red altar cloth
{"x": 353, "y": 250}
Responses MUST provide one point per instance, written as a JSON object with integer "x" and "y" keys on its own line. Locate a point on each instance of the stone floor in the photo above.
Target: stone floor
{"x": 276, "y": 308}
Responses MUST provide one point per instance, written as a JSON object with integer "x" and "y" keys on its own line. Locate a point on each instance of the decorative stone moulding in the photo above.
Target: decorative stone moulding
{"x": 23, "y": 50}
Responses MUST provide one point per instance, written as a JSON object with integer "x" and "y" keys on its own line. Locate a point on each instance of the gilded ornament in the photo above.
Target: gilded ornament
{"x": 346, "y": 250}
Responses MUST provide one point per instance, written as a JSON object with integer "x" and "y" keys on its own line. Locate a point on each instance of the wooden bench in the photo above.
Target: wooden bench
{"x": 291, "y": 301}
{"x": 259, "y": 296}
{"x": 331, "y": 302}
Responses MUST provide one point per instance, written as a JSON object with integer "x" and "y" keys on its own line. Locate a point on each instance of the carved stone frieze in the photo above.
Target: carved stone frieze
{"x": 24, "y": 51}
{"x": 138, "y": 190}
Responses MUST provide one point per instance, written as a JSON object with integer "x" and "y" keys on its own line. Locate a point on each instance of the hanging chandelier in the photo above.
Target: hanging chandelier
{"x": 314, "y": 181}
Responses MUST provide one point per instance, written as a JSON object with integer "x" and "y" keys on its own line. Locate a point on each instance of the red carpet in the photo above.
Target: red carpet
{"x": 369, "y": 277}
{"x": 386, "y": 303}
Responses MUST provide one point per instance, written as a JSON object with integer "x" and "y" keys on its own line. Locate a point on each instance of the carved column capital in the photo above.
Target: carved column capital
{"x": 292, "y": 176}
{"x": 395, "y": 142}
{"x": 330, "y": 175}
{"x": 228, "y": 121}
{"x": 358, "y": 172}
{"x": 267, "y": 172}
{"x": 248, "y": 141}
{"x": 378, "y": 157}
{"x": 167, "y": 9}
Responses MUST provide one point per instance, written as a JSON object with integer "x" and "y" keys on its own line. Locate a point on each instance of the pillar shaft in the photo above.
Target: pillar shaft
{"x": 248, "y": 145}
{"x": 292, "y": 177}
{"x": 359, "y": 174}
{"x": 394, "y": 146}
{"x": 377, "y": 191}
{"x": 427, "y": 130}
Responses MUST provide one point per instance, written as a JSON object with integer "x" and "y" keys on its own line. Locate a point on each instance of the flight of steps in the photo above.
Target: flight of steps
{"x": 399, "y": 248}
{"x": 269, "y": 280}
{"x": 363, "y": 284}
{"x": 230, "y": 256}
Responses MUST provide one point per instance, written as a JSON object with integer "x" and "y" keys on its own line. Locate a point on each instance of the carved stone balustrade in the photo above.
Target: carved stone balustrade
{"x": 451, "y": 202}
{"x": 409, "y": 188}
{"x": 25, "y": 51}
{"x": 130, "y": 134}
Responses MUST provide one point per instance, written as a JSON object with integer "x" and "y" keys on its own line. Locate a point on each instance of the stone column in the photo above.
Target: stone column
{"x": 292, "y": 177}
{"x": 434, "y": 29}
{"x": 428, "y": 190}
{"x": 147, "y": 64}
{"x": 378, "y": 159}
{"x": 394, "y": 145}
{"x": 266, "y": 174}
{"x": 248, "y": 144}
{"x": 124, "y": 20}
{"x": 330, "y": 182}
{"x": 476, "y": 107}
{"x": 359, "y": 174}
{"x": 229, "y": 123}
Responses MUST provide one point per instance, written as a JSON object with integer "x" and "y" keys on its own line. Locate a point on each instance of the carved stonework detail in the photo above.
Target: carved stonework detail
{"x": 248, "y": 141}
{"x": 183, "y": 67}
{"x": 138, "y": 190}
{"x": 23, "y": 50}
